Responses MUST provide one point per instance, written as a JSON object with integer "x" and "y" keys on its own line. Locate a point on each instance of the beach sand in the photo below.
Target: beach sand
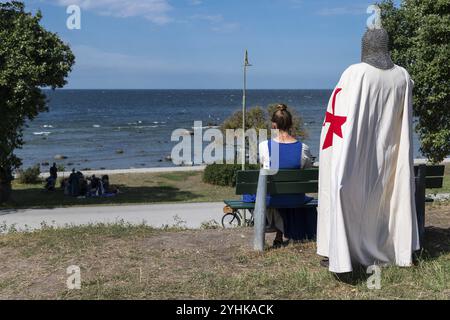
{"x": 171, "y": 169}
{"x": 132, "y": 171}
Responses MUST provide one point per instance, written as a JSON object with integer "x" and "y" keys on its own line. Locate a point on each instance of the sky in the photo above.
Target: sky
{"x": 200, "y": 44}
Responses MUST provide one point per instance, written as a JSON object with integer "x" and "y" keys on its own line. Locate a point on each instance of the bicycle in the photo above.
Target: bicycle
{"x": 234, "y": 219}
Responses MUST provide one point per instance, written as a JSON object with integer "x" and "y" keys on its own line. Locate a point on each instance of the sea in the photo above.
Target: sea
{"x": 125, "y": 129}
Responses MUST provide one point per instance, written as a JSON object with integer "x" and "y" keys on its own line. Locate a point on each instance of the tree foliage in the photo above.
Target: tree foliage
{"x": 258, "y": 118}
{"x": 420, "y": 42}
{"x": 30, "y": 58}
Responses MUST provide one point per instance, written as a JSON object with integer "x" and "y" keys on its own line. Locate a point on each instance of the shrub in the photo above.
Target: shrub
{"x": 30, "y": 175}
{"x": 210, "y": 225}
{"x": 257, "y": 118}
{"x": 224, "y": 174}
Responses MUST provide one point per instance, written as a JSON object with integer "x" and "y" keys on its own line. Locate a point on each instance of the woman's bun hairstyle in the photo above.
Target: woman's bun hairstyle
{"x": 282, "y": 107}
{"x": 282, "y": 118}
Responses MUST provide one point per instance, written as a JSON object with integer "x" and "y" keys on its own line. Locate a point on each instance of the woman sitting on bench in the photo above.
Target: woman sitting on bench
{"x": 288, "y": 218}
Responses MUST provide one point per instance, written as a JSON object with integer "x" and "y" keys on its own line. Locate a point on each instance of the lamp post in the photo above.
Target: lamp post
{"x": 244, "y": 106}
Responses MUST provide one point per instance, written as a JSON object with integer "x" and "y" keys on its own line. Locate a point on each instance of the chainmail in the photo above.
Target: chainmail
{"x": 375, "y": 49}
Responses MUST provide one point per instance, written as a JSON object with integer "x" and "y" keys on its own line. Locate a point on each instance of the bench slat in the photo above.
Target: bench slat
{"x": 279, "y": 187}
{"x": 306, "y": 175}
{"x": 434, "y": 182}
{"x": 432, "y": 171}
{"x": 236, "y": 204}
{"x": 240, "y": 205}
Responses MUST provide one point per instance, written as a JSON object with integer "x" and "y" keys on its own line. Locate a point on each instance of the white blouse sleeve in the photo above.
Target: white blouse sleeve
{"x": 264, "y": 155}
{"x": 307, "y": 158}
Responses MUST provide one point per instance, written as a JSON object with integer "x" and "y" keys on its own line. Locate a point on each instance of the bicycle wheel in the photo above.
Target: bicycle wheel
{"x": 251, "y": 221}
{"x": 231, "y": 220}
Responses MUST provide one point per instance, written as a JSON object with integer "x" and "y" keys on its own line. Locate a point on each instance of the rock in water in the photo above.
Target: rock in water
{"x": 120, "y": 151}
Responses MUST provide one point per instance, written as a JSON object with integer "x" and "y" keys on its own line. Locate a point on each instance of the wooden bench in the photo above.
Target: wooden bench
{"x": 306, "y": 181}
{"x": 426, "y": 177}
{"x": 285, "y": 182}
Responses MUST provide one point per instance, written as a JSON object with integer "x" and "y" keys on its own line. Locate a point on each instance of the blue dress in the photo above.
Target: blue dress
{"x": 299, "y": 223}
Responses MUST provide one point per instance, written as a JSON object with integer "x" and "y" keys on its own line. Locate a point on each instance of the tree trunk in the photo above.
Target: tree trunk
{"x": 5, "y": 191}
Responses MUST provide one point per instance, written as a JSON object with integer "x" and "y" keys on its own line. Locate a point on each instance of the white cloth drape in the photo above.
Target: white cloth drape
{"x": 366, "y": 211}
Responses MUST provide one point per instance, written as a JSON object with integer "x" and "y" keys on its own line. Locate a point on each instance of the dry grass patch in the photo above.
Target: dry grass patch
{"x": 138, "y": 262}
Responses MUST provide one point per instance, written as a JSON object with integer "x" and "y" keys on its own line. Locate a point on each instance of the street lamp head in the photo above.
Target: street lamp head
{"x": 246, "y": 63}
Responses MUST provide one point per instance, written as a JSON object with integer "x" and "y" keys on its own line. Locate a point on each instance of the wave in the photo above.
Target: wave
{"x": 44, "y": 133}
{"x": 207, "y": 127}
{"x": 143, "y": 127}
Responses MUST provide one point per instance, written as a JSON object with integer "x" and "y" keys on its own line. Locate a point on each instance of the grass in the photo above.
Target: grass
{"x": 142, "y": 188}
{"x": 139, "y": 188}
{"x": 138, "y": 262}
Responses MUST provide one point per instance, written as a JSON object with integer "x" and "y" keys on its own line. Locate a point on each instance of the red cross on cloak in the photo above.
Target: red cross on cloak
{"x": 336, "y": 123}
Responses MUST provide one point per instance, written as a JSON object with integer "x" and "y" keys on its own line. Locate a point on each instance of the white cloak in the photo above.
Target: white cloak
{"x": 367, "y": 212}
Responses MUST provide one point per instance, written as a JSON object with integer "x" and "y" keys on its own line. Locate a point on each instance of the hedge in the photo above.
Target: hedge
{"x": 224, "y": 174}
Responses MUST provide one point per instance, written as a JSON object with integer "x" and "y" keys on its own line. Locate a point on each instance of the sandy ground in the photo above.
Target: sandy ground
{"x": 174, "y": 169}
{"x": 130, "y": 171}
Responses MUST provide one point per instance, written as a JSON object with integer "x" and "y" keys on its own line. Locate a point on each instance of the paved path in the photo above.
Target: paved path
{"x": 158, "y": 215}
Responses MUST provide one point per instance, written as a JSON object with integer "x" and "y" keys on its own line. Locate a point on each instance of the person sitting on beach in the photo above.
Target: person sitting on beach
{"x": 105, "y": 182}
{"x": 51, "y": 180}
{"x": 96, "y": 187}
{"x": 288, "y": 219}
{"x": 74, "y": 184}
{"x": 54, "y": 171}
{"x": 83, "y": 185}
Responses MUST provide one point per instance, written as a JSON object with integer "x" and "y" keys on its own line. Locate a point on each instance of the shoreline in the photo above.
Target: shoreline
{"x": 172, "y": 169}
{"x": 131, "y": 171}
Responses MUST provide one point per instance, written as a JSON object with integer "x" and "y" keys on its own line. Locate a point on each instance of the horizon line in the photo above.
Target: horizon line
{"x": 186, "y": 89}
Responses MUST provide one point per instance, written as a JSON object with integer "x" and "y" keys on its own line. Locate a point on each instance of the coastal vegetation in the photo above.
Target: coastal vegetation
{"x": 30, "y": 176}
{"x": 31, "y": 58}
{"x": 420, "y": 42}
{"x": 224, "y": 174}
{"x": 259, "y": 118}
{"x": 255, "y": 118}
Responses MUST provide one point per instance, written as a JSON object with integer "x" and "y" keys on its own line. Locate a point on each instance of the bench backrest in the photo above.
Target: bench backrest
{"x": 434, "y": 176}
{"x": 426, "y": 177}
{"x": 285, "y": 182}
{"x": 306, "y": 181}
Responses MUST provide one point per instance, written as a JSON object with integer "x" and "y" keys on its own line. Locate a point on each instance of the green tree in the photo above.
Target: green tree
{"x": 30, "y": 58}
{"x": 420, "y": 42}
{"x": 257, "y": 118}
